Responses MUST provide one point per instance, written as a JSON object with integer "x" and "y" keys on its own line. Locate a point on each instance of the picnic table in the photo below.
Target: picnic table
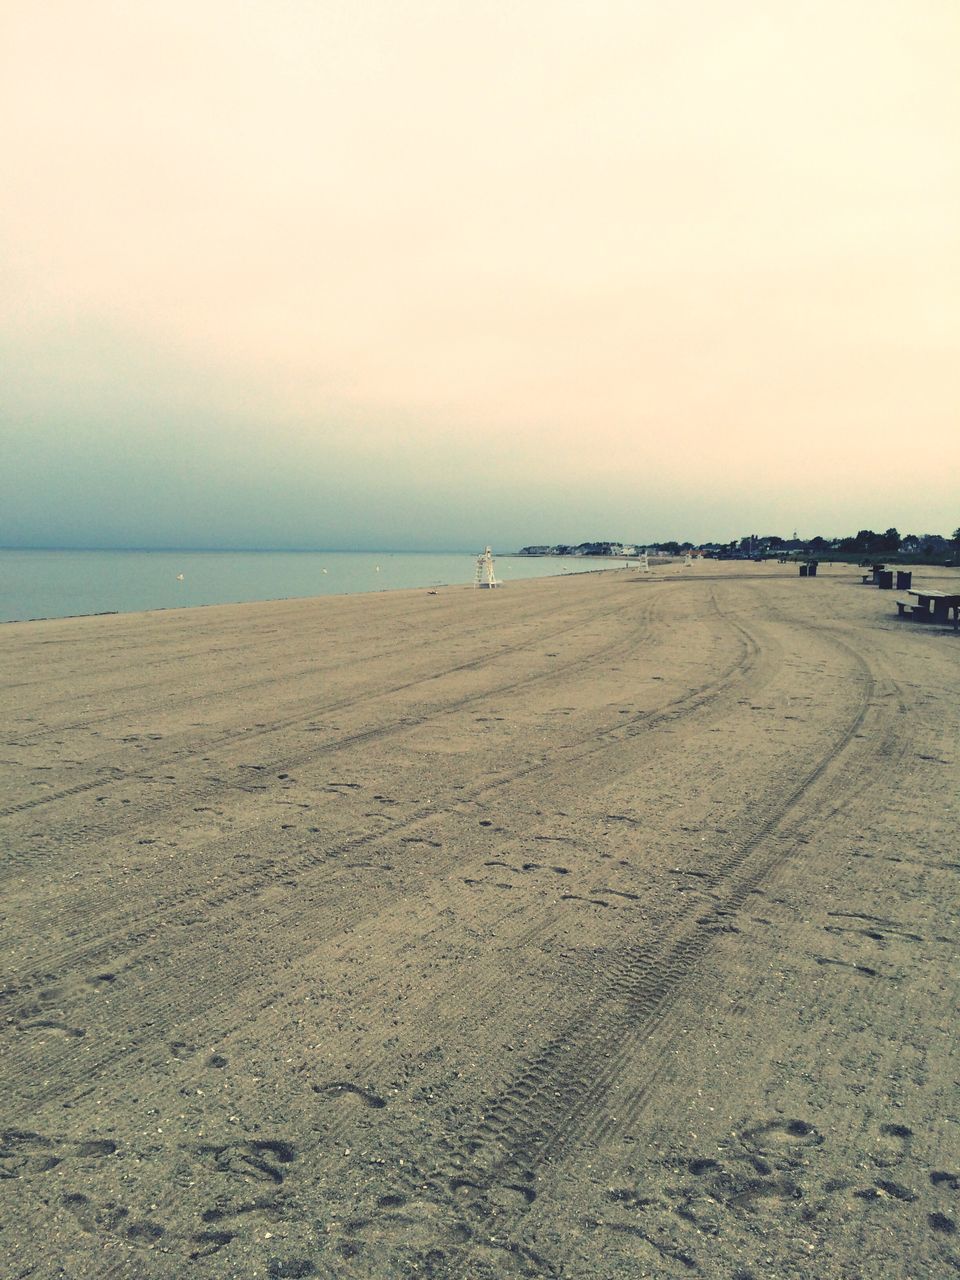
{"x": 933, "y": 606}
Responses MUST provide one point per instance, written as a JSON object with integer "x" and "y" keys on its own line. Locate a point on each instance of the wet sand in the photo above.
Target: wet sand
{"x": 594, "y": 927}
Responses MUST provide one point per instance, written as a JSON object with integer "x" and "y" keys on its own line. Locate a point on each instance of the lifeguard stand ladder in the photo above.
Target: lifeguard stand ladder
{"x": 644, "y": 565}
{"x": 485, "y": 576}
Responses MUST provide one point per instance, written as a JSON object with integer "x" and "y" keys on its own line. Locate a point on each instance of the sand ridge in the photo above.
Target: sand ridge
{"x": 596, "y": 926}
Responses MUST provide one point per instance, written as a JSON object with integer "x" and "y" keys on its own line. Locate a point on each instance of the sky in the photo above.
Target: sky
{"x": 412, "y": 274}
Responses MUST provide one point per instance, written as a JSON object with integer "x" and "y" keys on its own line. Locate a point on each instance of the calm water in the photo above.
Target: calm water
{"x": 59, "y": 584}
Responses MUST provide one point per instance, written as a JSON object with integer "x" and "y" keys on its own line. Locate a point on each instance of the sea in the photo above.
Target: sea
{"x": 62, "y": 584}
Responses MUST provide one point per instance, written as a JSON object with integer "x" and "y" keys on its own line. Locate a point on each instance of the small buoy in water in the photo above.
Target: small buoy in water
{"x": 323, "y": 571}
{"x": 179, "y": 577}
{"x": 377, "y": 570}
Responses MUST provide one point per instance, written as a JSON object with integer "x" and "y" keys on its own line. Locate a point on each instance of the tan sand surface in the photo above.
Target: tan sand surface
{"x": 602, "y": 926}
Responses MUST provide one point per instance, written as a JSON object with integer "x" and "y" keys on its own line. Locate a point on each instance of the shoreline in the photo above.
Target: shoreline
{"x": 286, "y": 599}
{"x": 671, "y": 569}
{"x": 237, "y": 585}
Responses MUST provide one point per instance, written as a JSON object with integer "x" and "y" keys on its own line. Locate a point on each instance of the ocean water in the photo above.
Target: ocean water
{"x": 60, "y": 584}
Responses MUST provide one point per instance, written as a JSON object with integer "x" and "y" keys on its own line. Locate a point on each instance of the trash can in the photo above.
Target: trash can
{"x": 904, "y": 578}
{"x": 885, "y": 579}
{"x": 812, "y": 568}
{"x": 877, "y": 570}
{"x": 803, "y": 571}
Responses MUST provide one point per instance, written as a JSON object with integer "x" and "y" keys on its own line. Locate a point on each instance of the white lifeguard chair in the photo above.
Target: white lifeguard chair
{"x": 644, "y": 565}
{"x": 485, "y": 575}
{"x": 688, "y": 561}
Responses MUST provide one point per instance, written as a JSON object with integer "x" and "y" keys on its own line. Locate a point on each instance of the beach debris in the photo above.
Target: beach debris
{"x": 179, "y": 577}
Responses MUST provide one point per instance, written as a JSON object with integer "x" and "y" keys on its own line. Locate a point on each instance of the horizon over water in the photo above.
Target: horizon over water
{"x": 38, "y": 583}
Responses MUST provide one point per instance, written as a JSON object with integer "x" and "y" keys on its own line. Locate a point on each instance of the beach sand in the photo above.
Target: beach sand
{"x": 593, "y": 927}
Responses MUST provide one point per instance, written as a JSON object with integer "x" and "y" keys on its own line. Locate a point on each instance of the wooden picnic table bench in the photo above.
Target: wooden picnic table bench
{"x": 934, "y": 606}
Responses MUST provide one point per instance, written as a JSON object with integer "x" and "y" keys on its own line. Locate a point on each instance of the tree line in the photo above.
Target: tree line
{"x": 866, "y": 542}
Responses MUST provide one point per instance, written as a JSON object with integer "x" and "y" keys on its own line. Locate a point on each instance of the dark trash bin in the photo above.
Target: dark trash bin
{"x": 876, "y": 570}
{"x": 885, "y": 579}
{"x": 812, "y": 568}
{"x": 803, "y": 571}
{"x": 904, "y": 579}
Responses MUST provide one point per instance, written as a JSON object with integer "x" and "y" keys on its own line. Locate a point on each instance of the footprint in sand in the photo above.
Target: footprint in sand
{"x": 508, "y": 1194}
{"x": 769, "y": 1193}
{"x": 258, "y": 1161}
{"x": 891, "y": 1146}
{"x": 99, "y": 981}
{"x": 93, "y": 1217}
{"x": 94, "y": 1148}
{"x": 415, "y": 1224}
{"x": 346, "y": 1089}
{"x": 895, "y": 1190}
{"x": 271, "y": 1207}
{"x": 51, "y": 1025}
{"x": 112, "y": 1218}
{"x": 23, "y": 1152}
{"x": 780, "y": 1134}
{"x": 210, "y": 1242}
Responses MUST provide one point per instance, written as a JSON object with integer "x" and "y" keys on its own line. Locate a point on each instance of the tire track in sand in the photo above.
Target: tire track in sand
{"x": 240, "y": 893}
{"x": 552, "y": 1105}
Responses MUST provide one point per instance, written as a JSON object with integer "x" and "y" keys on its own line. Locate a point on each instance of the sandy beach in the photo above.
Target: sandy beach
{"x": 602, "y": 926}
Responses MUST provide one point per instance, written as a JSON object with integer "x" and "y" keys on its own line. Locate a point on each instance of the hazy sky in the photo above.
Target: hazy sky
{"x": 422, "y": 274}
